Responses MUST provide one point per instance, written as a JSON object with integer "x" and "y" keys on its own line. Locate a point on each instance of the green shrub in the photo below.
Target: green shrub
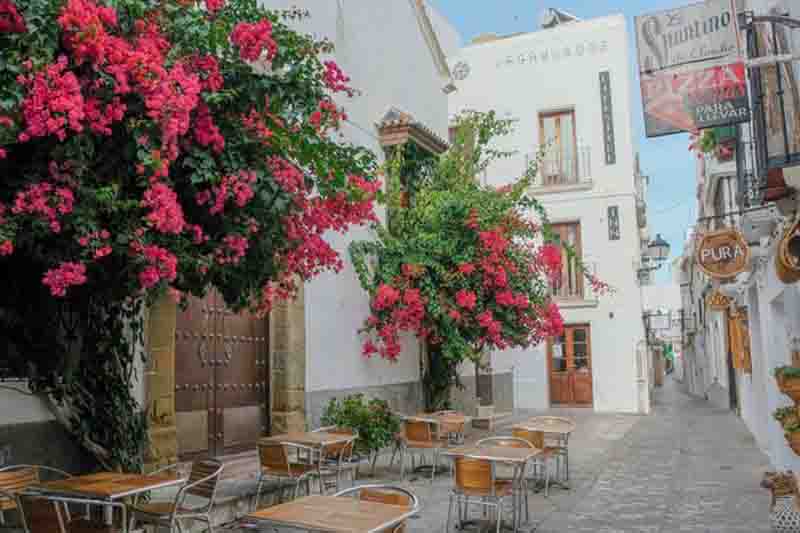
{"x": 372, "y": 419}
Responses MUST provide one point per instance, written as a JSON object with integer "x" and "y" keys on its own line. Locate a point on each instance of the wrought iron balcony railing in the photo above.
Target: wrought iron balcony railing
{"x": 559, "y": 170}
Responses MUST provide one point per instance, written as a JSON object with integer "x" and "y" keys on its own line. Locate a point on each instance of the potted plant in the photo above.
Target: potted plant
{"x": 786, "y": 416}
{"x": 792, "y": 434}
{"x": 374, "y": 422}
{"x": 788, "y": 379}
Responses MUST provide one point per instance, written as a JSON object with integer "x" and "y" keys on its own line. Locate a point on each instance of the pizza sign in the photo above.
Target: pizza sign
{"x": 722, "y": 254}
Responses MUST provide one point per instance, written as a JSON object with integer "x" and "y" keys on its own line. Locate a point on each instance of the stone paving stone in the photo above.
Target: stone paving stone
{"x": 686, "y": 468}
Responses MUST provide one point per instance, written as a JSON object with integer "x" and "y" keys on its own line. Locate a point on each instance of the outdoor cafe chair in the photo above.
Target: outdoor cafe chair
{"x": 512, "y": 442}
{"x": 418, "y": 435}
{"x": 16, "y": 478}
{"x": 274, "y": 463}
{"x": 337, "y": 459}
{"x": 475, "y": 482}
{"x": 387, "y": 494}
{"x": 548, "y": 453}
{"x": 201, "y": 487}
{"x": 49, "y": 514}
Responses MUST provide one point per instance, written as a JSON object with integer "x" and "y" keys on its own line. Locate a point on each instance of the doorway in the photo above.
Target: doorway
{"x": 570, "y": 366}
{"x": 221, "y": 379}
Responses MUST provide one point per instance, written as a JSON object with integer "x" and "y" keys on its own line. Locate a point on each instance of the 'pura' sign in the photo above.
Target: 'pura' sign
{"x": 722, "y": 254}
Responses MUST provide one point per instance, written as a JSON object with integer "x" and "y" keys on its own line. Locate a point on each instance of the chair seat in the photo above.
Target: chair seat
{"x": 159, "y": 508}
{"x": 502, "y": 487}
{"x": 81, "y": 525}
{"x": 423, "y": 444}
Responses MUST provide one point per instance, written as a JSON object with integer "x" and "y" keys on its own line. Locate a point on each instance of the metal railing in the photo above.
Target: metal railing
{"x": 573, "y": 285}
{"x": 557, "y": 170}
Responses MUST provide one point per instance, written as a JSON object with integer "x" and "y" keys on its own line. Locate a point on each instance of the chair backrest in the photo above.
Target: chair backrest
{"x": 41, "y": 515}
{"x": 452, "y": 424}
{"x": 203, "y": 478}
{"x": 506, "y": 442}
{"x": 15, "y": 479}
{"x": 387, "y": 494}
{"x": 273, "y": 458}
{"x": 417, "y": 430}
{"x": 341, "y": 450}
{"x": 534, "y": 437}
{"x": 473, "y": 474}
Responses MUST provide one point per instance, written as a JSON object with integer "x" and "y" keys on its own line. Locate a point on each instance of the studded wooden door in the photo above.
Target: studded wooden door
{"x": 221, "y": 377}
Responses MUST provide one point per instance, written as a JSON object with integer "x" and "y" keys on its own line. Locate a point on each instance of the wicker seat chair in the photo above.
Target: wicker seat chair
{"x": 387, "y": 494}
{"x": 16, "y": 478}
{"x": 201, "y": 487}
{"x": 475, "y": 482}
{"x": 275, "y": 464}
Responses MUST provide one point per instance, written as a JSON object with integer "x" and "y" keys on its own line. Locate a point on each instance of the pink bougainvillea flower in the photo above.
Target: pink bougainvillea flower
{"x": 6, "y": 248}
{"x": 253, "y": 39}
{"x": 11, "y": 21}
{"x": 466, "y": 299}
{"x": 67, "y": 274}
{"x": 385, "y": 297}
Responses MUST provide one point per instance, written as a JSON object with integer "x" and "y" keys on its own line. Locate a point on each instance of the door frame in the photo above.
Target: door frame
{"x": 549, "y": 357}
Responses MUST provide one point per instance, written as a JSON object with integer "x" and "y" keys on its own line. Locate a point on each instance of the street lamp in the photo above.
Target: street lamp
{"x": 657, "y": 252}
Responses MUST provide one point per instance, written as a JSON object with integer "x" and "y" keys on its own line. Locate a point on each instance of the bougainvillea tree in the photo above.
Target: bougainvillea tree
{"x": 464, "y": 267}
{"x": 151, "y": 146}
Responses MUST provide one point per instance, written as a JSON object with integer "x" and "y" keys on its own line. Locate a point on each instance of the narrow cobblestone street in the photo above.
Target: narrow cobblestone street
{"x": 686, "y": 468}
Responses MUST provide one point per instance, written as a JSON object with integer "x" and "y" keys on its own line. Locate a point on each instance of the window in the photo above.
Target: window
{"x": 557, "y": 135}
{"x": 570, "y": 285}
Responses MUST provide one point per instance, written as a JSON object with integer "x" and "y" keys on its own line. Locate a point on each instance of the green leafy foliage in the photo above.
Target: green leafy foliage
{"x": 372, "y": 419}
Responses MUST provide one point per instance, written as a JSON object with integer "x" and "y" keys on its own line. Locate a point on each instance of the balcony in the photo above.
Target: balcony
{"x": 558, "y": 173}
{"x": 573, "y": 290}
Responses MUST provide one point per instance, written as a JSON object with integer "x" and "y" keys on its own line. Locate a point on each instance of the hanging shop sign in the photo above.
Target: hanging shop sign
{"x": 722, "y": 254}
{"x": 716, "y": 301}
{"x": 690, "y": 68}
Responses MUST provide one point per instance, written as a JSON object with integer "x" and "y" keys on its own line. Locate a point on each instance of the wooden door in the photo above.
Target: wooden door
{"x": 570, "y": 367}
{"x": 221, "y": 377}
{"x": 557, "y": 133}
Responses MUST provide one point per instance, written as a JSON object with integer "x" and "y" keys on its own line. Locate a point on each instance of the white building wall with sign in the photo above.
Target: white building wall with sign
{"x": 562, "y": 72}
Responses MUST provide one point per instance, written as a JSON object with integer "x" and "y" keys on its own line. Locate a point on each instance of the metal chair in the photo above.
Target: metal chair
{"x": 387, "y": 494}
{"x": 48, "y": 514}
{"x": 336, "y": 459}
{"x": 537, "y": 439}
{"x": 274, "y": 463}
{"x": 475, "y": 481}
{"x": 419, "y": 435}
{"x": 452, "y": 427}
{"x": 201, "y": 485}
{"x": 16, "y": 478}
{"x": 518, "y": 477}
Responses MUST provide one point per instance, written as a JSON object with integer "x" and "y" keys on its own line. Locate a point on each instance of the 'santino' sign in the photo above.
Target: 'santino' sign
{"x": 692, "y": 99}
{"x": 701, "y": 32}
{"x": 692, "y": 75}
{"x": 722, "y": 254}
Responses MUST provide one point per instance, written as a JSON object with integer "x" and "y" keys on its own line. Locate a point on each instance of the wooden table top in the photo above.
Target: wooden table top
{"x": 328, "y": 513}
{"x": 497, "y": 454}
{"x": 316, "y": 439}
{"x": 548, "y": 424}
{"x": 107, "y": 485}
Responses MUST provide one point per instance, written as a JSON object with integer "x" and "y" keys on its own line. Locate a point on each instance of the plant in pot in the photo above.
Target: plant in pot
{"x": 372, "y": 419}
{"x": 788, "y": 379}
{"x": 786, "y": 416}
{"x": 792, "y": 434}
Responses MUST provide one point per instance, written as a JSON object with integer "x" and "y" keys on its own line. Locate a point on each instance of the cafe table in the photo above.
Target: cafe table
{"x": 103, "y": 488}
{"x": 518, "y": 458}
{"x": 310, "y": 440}
{"x": 331, "y": 513}
{"x": 561, "y": 428}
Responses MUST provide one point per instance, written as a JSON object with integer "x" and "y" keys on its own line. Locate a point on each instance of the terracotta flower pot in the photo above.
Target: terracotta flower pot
{"x": 790, "y": 386}
{"x": 793, "y": 439}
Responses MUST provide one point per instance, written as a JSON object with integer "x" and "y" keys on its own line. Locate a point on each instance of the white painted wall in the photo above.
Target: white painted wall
{"x": 504, "y": 77}
{"x": 379, "y": 44}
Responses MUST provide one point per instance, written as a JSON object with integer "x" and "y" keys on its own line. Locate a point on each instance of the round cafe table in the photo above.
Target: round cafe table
{"x": 560, "y": 428}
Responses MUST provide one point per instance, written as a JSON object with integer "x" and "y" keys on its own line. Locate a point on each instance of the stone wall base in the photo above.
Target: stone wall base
{"x": 402, "y": 397}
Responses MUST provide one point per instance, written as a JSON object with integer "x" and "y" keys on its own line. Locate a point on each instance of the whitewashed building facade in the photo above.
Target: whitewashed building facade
{"x": 569, "y": 88}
